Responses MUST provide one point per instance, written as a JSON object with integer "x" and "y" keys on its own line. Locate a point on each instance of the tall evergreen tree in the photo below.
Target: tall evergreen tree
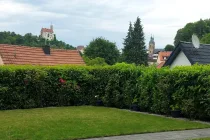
{"x": 127, "y": 45}
{"x": 134, "y": 46}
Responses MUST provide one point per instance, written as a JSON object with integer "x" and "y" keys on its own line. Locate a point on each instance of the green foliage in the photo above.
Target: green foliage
{"x": 155, "y": 90}
{"x": 200, "y": 28}
{"x": 94, "y": 62}
{"x": 169, "y": 47}
{"x": 102, "y": 48}
{"x": 134, "y": 46}
{"x": 127, "y": 45}
{"x": 31, "y": 40}
{"x": 34, "y": 86}
{"x": 185, "y": 87}
{"x": 206, "y": 39}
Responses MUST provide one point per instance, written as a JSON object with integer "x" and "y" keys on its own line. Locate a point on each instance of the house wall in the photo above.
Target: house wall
{"x": 47, "y": 35}
{"x": 1, "y": 61}
{"x": 180, "y": 60}
{"x": 155, "y": 56}
{"x": 158, "y": 59}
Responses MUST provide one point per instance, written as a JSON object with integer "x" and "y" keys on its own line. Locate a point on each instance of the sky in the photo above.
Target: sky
{"x": 77, "y": 22}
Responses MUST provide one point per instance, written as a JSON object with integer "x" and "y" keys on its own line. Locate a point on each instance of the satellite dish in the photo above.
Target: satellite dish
{"x": 195, "y": 41}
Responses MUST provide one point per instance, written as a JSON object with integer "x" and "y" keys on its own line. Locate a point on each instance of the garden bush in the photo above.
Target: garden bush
{"x": 120, "y": 85}
{"x": 187, "y": 88}
{"x": 41, "y": 86}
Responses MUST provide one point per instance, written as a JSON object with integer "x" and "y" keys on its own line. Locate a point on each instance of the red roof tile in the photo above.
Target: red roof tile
{"x": 24, "y": 55}
{"x": 160, "y": 65}
{"x": 164, "y": 54}
{"x": 47, "y": 30}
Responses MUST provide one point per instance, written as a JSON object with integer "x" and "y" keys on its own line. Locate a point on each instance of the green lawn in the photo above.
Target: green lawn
{"x": 67, "y": 123}
{"x": 202, "y": 139}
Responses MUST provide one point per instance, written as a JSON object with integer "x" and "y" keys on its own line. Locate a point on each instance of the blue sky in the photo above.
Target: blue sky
{"x": 77, "y": 22}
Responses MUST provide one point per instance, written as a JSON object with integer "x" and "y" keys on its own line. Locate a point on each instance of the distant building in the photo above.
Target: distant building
{"x": 81, "y": 49}
{"x": 151, "y": 46}
{"x": 156, "y": 52}
{"x": 152, "y": 52}
{"x": 156, "y": 56}
{"x": 185, "y": 54}
{"x": 162, "y": 57}
{"x": 47, "y": 34}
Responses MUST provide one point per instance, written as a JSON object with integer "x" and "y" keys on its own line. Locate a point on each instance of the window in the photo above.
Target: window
{"x": 165, "y": 58}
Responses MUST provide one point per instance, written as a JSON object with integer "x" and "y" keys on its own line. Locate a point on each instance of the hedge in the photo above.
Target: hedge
{"x": 121, "y": 85}
{"x": 187, "y": 88}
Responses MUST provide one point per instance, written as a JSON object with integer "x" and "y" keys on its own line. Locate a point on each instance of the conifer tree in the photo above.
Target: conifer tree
{"x": 127, "y": 45}
{"x": 134, "y": 46}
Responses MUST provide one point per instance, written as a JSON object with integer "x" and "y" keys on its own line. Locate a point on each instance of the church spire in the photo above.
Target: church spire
{"x": 151, "y": 45}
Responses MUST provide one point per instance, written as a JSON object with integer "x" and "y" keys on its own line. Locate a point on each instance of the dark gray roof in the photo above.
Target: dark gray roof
{"x": 158, "y": 50}
{"x": 199, "y": 55}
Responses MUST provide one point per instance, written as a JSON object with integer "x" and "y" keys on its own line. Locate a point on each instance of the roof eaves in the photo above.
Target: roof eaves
{"x": 188, "y": 57}
{"x": 177, "y": 50}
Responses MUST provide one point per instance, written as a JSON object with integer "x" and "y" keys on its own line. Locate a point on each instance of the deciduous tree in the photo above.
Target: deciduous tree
{"x": 102, "y": 48}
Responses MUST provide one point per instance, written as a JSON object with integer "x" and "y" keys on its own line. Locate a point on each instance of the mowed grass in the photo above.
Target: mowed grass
{"x": 66, "y": 123}
{"x": 202, "y": 139}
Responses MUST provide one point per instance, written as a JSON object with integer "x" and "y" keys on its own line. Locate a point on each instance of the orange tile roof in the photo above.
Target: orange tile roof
{"x": 47, "y": 30}
{"x": 24, "y": 55}
{"x": 160, "y": 65}
{"x": 164, "y": 54}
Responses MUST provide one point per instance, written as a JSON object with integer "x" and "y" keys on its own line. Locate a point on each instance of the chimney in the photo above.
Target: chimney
{"x": 46, "y": 49}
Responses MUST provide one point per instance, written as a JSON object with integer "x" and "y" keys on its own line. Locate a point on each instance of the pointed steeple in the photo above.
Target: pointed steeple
{"x": 151, "y": 45}
{"x": 152, "y": 41}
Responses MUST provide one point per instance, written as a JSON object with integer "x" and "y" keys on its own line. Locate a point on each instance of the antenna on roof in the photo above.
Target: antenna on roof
{"x": 195, "y": 41}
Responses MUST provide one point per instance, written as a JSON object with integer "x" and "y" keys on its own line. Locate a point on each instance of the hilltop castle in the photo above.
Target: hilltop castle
{"x": 47, "y": 34}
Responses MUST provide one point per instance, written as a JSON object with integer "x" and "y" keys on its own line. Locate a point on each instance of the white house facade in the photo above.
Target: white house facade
{"x": 185, "y": 54}
{"x": 47, "y": 34}
{"x": 180, "y": 60}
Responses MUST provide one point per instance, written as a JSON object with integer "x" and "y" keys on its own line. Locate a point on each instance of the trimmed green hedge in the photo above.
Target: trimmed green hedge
{"x": 36, "y": 86}
{"x": 121, "y": 85}
{"x": 187, "y": 88}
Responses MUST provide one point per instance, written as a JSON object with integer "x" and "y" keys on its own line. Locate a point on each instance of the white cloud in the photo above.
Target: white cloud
{"x": 78, "y": 21}
{"x": 9, "y": 8}
{"x": 169, "y": 16}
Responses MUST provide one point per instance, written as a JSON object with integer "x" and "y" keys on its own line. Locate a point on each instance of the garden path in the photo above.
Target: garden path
{"x": 171, "y": 135}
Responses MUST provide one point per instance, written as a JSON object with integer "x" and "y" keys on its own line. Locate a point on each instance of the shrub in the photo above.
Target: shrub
{"x": 155, "y": 90}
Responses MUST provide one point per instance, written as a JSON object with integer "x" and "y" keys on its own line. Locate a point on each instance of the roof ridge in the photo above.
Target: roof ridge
{"x": 192, "y": 43}
{"x": 35, "y": 55}
{"x": 32, "y": 47}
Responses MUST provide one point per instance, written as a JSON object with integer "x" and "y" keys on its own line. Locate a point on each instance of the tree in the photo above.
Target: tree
{"x": 103, "y": 48}
{"x": 127, "y": 45}
{"x": 206, "y": 39}
{"x": 200, "y": 28}
{"x": 134, "y": 46}
{"x": 95, "y": 62}
{"x": 169, "y": 47}
{"x": 31, "y": 40}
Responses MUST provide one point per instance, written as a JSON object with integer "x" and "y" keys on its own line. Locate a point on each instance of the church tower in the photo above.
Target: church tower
{"x": 151, "y": 45}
